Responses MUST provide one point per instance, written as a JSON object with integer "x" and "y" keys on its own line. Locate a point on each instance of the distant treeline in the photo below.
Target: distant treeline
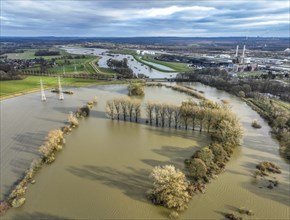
{"x": 250, "y": 87}
{"x": 46, "y": 53}
{"x": 7, "y": 72}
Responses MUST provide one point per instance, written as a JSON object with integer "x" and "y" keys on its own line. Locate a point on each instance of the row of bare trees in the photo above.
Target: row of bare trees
{"x": 203, "y": 115}
{"x": 125, "y": 108}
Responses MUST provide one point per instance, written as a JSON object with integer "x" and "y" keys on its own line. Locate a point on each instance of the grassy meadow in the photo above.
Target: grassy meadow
{"x": 12, "y": 88}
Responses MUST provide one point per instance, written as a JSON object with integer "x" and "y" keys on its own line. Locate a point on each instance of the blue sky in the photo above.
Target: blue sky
{"x": 128, "y": 18}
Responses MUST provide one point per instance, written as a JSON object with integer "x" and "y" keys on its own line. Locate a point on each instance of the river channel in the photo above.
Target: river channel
{"x": 102, "y": 173}
{"x": 137, "y": 67}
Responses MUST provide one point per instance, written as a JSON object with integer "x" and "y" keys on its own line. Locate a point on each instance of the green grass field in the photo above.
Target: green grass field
{"x": 179, "y": 67}
{"x": 84, "y": 65}
{"x": 29, "y": 54}
{"x": 31, "y": 83}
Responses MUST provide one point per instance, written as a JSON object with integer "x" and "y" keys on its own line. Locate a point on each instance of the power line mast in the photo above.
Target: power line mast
{"x": 43, "y": 97}
{"x": 61, "y": 97}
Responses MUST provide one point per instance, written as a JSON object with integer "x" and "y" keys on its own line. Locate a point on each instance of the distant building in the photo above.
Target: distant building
{"x": 241, "y": 63}
{"x": 144, "y": 52}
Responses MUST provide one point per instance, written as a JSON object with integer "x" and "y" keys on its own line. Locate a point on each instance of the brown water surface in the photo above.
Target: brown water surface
{"x": 102, "y": 173}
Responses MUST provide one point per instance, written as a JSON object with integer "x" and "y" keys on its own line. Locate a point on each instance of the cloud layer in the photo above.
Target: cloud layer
{"x": 129, "y": 18}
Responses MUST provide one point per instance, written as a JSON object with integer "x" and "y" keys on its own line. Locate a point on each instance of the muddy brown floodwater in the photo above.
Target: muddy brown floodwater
{"x": 102, "y": 173}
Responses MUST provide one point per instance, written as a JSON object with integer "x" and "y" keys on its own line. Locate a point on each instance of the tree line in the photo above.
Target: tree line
{"x": 46, "y": 53}
{"x": 121, "y": 67}
{"x": 124, "y": 108}
{"x": 249, "y": 87}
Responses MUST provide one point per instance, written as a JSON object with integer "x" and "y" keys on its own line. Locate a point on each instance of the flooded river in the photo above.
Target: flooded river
{"x": 102, "y": 173}
{"x": 136, "y": 66}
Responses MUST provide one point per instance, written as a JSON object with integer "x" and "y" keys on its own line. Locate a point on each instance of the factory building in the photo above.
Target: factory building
{"x": 241, "y": 63}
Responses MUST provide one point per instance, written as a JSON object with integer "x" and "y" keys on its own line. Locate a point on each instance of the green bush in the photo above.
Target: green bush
{"x": 196, "y": 168}
{"x": 206, "y": 155}
{"x": 136, "y": 89}
{"x": 170, "y": 187}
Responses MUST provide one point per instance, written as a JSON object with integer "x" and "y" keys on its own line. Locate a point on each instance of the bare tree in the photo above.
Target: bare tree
{"x": 117, "y": 107}
{"x": 176, "y": 115}
{"x": 130, "y": 109}
{"x": 209, "y": 113}
{"x": 162, "y": 113}
{"x": 110, "y": 109}
{"x": 149, "y": 109}
{"x": 186, "y": 112}
{"x": 137, "y": 109}
{"x": 124, "y": 106}
{"x": 157, "y": 113}
{"x": 200, "y": 117}
{"x": 169, "y": 114}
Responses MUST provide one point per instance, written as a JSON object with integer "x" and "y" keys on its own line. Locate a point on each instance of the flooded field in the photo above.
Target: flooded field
{"x": 102, "y": 173}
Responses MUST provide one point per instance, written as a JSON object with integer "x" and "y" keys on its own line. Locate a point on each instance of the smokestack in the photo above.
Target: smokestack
{"x": 237, "y": 51}
{"x": 243, "y": 57}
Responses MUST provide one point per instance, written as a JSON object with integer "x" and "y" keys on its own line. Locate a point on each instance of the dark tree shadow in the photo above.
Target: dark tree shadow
{"x": 222, "y": 215}
{"x": 132, "y": 182}
{"x": 284, "y": 166}
{"x": 29, "y": 142}
{"x": 66, "y": 110}
{"x": 175, "y": 155}
{"x": 280, "y": 194}
{"x": 199, "y": 137}
{"x": 50, "y": 120}
{"x": 38, "y": 216}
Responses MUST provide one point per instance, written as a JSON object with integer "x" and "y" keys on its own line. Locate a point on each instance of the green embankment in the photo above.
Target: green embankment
{"x": 13, "y": 88}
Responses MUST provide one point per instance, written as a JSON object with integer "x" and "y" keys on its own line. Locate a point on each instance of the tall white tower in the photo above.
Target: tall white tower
{"x": 43, "y": 97}
{"x": 237, "y": 51}
{"x": 243, "y": 56}
{"x": 61, "y": 97}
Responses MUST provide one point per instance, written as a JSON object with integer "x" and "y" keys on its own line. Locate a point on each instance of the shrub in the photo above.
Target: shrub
{"x": 170, "y": 187}
{"x": 255, "y": 124}
{"x": 54, "y": 141}
{"x": 92, "y": 102}
{"x": 269, "y": 167}
{"x": 173, "y": 215}
{"x": 72, "y": 120}
{"x": 84, "y": 111}
{"x": 136, "y": 89}
{"x": 196, "y": 168}
{"x": 220, "y": 155}
{"x": 4, "y": 206}
{"x": 206, "y": 155}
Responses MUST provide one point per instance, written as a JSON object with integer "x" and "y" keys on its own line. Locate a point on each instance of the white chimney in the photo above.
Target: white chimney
{"x": 237, "y": 50}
